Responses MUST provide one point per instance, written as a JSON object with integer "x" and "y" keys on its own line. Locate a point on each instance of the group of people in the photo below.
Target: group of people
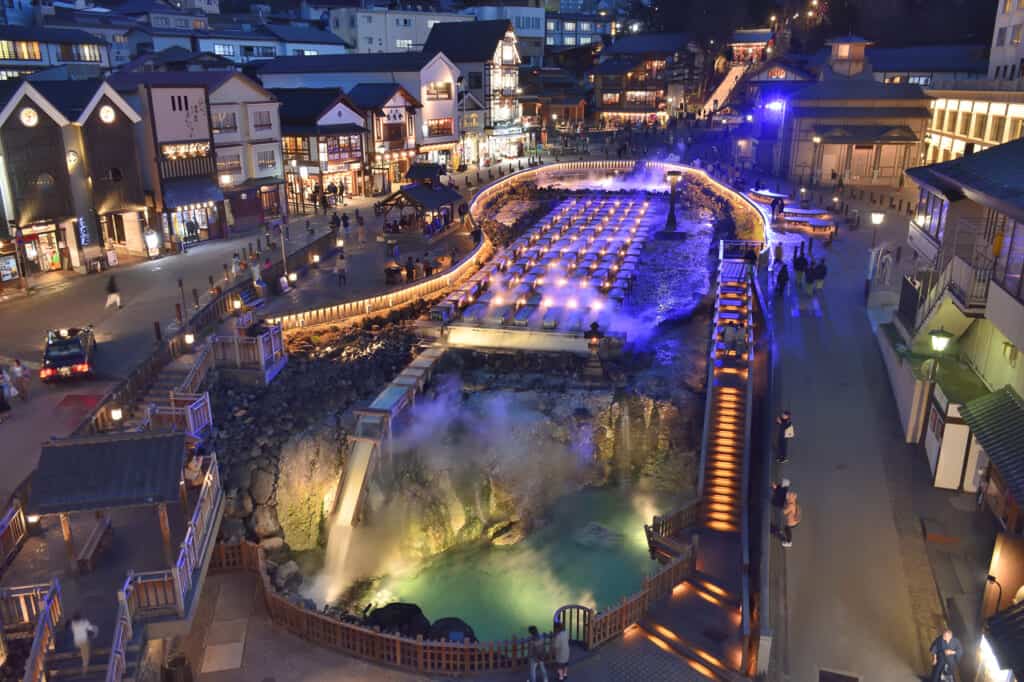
{"x": 14, "y": 383}
{"x": 420, "y": 267}
{"x": 810, "y": 272}
{"x": 341, "y": 224}
{"x": 537, "y": 653}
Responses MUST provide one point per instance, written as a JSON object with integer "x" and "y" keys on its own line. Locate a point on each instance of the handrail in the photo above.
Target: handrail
{"x": 21, "y": 605}
{"x": 13, "y": 530}
{"x": 45, "y": 634}
{"x": 123, "y": 633}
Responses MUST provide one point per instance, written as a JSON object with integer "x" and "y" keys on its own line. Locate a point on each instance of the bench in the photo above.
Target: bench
{"x": 99, "y": 539}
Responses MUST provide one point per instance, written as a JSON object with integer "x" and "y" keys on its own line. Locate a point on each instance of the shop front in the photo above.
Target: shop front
{"x": 9, "y": 271}
{"x": 44, "y": 248}
{"x": 306, "y": 184}
{"x": 192, "y": 212}
{"x": 124, "y": 233}
{"x": 446, "y": 155}
{"x": 254, "y": 204}
{"x": 390, "y": 168}
{"x": 506, "y": 143}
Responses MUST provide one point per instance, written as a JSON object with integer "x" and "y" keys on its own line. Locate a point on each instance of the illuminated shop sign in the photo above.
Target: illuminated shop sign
{"x": 185, "y": 150}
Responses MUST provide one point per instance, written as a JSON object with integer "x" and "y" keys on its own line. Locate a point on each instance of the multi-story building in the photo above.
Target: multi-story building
{"x": 751, "y": 45}
{"x": 567, "y": 29}
{"x": 1006, "y": 61}
{"x": 27, "y": 49}
{"x": 968, "y": 119}
{"x": 325, "y": 141}
{"x": 387, "y": 30}
{"x": 246, "y": 135}
{"x": 69, "y": 178}
{"x": 633, "y": 80}
{"x": 391, "y": 116}
{"x": 528, "y": 20}
{"x": 488, "y": 59}
{"x": 178, "y": 165}
{"x": 431, "y": 78}
{"x": 241, "y": 43}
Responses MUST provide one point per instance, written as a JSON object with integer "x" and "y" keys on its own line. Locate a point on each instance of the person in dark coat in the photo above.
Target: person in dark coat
{"x": 800, "y": 267}
{"x": 782, "y": 279}
{"x": 113, "y": 294}
{"x": 785, "y": 431}
{"x": 946, "y": 653}
{"x": 410, "y": 270}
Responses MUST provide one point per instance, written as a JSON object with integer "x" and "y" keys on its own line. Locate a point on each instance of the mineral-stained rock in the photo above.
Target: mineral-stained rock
{"x": 263, "y": 522}
{"x": 510, "y": 535}
{"x": 262, "y": 487}
{"x": 310, "y": 466}
{"x": 232, "y": 531}
{"x": 287, "y": 576}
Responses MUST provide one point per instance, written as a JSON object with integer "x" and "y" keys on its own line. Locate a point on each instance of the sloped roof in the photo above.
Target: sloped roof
{"x": 1005, "y": 633}
{"x": 130, "y": 80}
{"x": 424, "y": 171}
{"x": 751, "y": 35}
{"x": 648, "y": 43}
{"x": 615, "y": 67}
{"x": 70, "y": 97}
{"x": 301, "y": 107}
{"x": 997, "y": 421}
{"x": 431, "y": 198}
{"x": 106, "y": 472}
{"x": 467, "y": 41}
{"x": 303, "y": 34}
{"x": 175, "y": 55}
{"x": 930, "y": 58}
{"x": 859, "y": 88}
{"x": 349, "y": 63}
{"x": 368, "y": 96}
{"x": 44, "y": 34}
{"x": 994, "y": 178}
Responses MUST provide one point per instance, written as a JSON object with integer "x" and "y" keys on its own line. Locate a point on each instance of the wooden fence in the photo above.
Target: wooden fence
{"x": 13, "y": 529}
{"x": 47, "y": 623}
{"x": 381, "y": 303}
{"x": 442, "y": 657}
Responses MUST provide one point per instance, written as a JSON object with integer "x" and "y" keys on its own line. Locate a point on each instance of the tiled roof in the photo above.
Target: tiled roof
{"x": 70, "y": 97}
{"x": 930, "y": 58}
{"x": 864, "y": 134}
{"x": 997, "y": 421}
{"x": 1005, "y": 633}
{"x": 43, "y": 34}
{"x": 303, "y": 34}
{"x": 648, "y": 43}
{"x": 860, "y": 112}
{"x": 462, "y": 41}
{"x": 994, "y": 177}
{"x": 106, "y": 472}
{"x": 130, "y": 80}
{"x": 301, "y": 107}
{"x": 859, "y": 88}
{"x": 614, "y": 67}
{"x": 349, "y": 63}
{"x": 752, "y": 35}
{"x": 431, "y": 198}
{"x": 368, "y": 96}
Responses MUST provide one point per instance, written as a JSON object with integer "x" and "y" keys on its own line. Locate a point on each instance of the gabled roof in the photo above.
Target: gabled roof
{"x": 467, "y": 41}
{"x": 176, "y": 55}
{"x": 649, "y": 43}
{"x": 146, "y": 6}
{"x": 106, "y": 472}
{"x": 617, "y": 66}
{"x": 123, "y": 81}
{"x": 76, "y": 99}
{"x": 430, "y": 198}
{"x": 847, "y": 89}
{"x": 44, "y": 34}
{"x": 369, "y": 96}
{"x": 18, "y": 89}
{"x": 1005, "y": 634}
{"x": 302, "y": 107}
{"x": 752, "y": 35}
{"x": 349, "y": 63}
{"x": 997, "y": 421}
{"x": 993, "y": 178}
{"x": 302, "y": 34}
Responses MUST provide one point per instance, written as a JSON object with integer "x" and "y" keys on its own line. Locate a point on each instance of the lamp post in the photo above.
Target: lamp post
{"x": 877, "y": 218}
{"x": 673, "y": 177}
{"x": 999, "y": 596}
{"x": 940, "y": 339}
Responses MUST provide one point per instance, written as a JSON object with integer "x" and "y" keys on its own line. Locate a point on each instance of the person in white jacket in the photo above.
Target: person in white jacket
{"x": 82, "y": 632}
{"x": 561, "y": 650}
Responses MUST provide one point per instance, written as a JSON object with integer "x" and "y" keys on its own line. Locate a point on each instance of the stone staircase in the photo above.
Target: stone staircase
{"x": 65, "y": 663}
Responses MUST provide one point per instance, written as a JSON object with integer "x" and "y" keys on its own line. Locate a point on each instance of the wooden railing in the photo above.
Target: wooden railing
{"x": 123, "y": 634}
{"x": 441, "y": 657}
{"x": 151, "y": 593}
{"x": 200, "y": 368}
{"x": 380, "y": 303}
{"x": 47, "y": 623}
{"x": 200, "y": 534}
{"x": 13, "y": 529}
{"x": 20, "y": 606}
{"x": 188, "y": 412}
{"x": 258, "y": 352}
{"x": 686, "y": 516}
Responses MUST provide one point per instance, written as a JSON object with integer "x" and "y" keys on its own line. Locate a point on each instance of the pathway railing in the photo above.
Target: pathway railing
{"x": 48, "y": 620}
{"x": 442, "y": 657}
{"x": 20, "y": 606}
{"x": 13, "y": 529}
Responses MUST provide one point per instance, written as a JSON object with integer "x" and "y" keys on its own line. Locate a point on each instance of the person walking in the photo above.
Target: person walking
{"x": 785, "y": 432}
{"x": 535, "y": 655}
{"x": 791, "y": 517}
{"x": 345, "y": 224}
{"x": 82, "y": 632}
{"x": 360, "y": 229}
{"x": 418, "y": 269}
{"x": 8, "y": 391}
{"x": 341, "y": 269}
{"x": 781, "y": 280}
{"x": 820, "y": 270}
{"x": 777, "y": 255}
{"x": 810, "y": 276}
{"x": 113, "y": 294}
{"x": 946, "y": 653}
{"x": 236, "y": 264}
{"x": 335, "y": 223}
{"x": 800, "y": 268}
{"x": 561, "y": 650}
{"x": 410, "y": 270}
{"x": 20, "y": 378}
{"x": 256, "y": 272}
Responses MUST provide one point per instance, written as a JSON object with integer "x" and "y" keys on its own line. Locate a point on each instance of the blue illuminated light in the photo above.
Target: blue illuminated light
{"x": 775, "y": 105}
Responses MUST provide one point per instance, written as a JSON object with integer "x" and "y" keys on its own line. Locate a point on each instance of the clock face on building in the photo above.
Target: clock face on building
{"x": 107, "y": 113}
{"x": 29, "y": 117}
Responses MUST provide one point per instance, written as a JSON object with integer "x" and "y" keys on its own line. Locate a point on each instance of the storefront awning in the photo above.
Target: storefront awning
{"x": 997, "y": 421}
{"x": 864, "y": 134}
{"x": 431, "y": 198}
{"x": 186, "y": 191}
{"x": 256, "y": 183}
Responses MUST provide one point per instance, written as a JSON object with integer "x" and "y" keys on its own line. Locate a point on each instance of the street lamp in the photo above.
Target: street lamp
{"x": 940, "y": 339}
{"x": 673, "y": 177}
{"x": 877, "y": 218}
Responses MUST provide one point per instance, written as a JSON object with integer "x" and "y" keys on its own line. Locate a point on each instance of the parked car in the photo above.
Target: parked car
{"x": 68, "y": 354}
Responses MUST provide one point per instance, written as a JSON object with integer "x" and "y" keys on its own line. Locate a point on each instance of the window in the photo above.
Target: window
{"x": 21, "y": 49}
{"x": 843, "y": 51}
{"x": 438, "y": 127}
{"x": 609, "y": 98}
{"x": 403, "y": 43}
{"x": 584, "y": 40}
{"x": 1001, "y": 36}
{"x": 179, "y": 102}
{"x": 584, "y": 26}
{"x": 1015, "y": 35}
{"x": 1007, "y": 6}
{"x": 161, "y": 21}
{"x": 1016, "y": 128}
{"x": 439, "y": 90}
{"x": 570, "y": 26}
{"x": 43, "y": 180}
{"x": 980, "y": 121}
{"x": 198, "y": 25}
{"x": 266, "y": 160}
{"x": 645, "y": 97}
{"x": 1009, "y": 266}
{"x": 568, "y": 40}
{"x": 120, "y": 38}
{"x": 368, "y": 19}
{"x": 931, "y": 212}
{"x": 229, "y": 164}
{"x": 549, "y": 40}
{"x": 552, "y": 25}
{"x": 935, "y": 424}
{"x": 113, "y": 227}
{"x": 369, "y": 41}
{"x": 181, "y": 23}
{"x": 337, "y": 150}
{"x": 402, "y": 21}
{"x": 920, "y": 80}
{"x": 79, "y": 53}
{"x": 965, "y": 123}
{"x": 259, "y": 51}
{"x": 476, "y": 80}
{"x": 295, "y": 148}
{"x": 224, "y": 122}
{"x": 950, "y": 121}
{"x": 303, "y": 52}
{"x": 995, "y": 132}
{"x": 224, "y": 49}
{"x": 261, "y": 120}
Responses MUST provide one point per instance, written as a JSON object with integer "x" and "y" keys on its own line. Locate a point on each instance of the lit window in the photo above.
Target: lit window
{"x": 1015, "y": 37}
{"x": 552, "y": 25}
{"x": 261, "y": 120}
{"x": 584, "y": 26}
{"x": 568, "y": 40}
{"x": 266, "y": 160}
{"x": 438, "y": 127}
{"x": 548, "y": 40}
{"x": 224, "y": 49}
{"x": 229, "y": 164}
{"x": 570, "y": 26}
{"x": 403, "y": 43}
{"x": 439, "y": 90}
